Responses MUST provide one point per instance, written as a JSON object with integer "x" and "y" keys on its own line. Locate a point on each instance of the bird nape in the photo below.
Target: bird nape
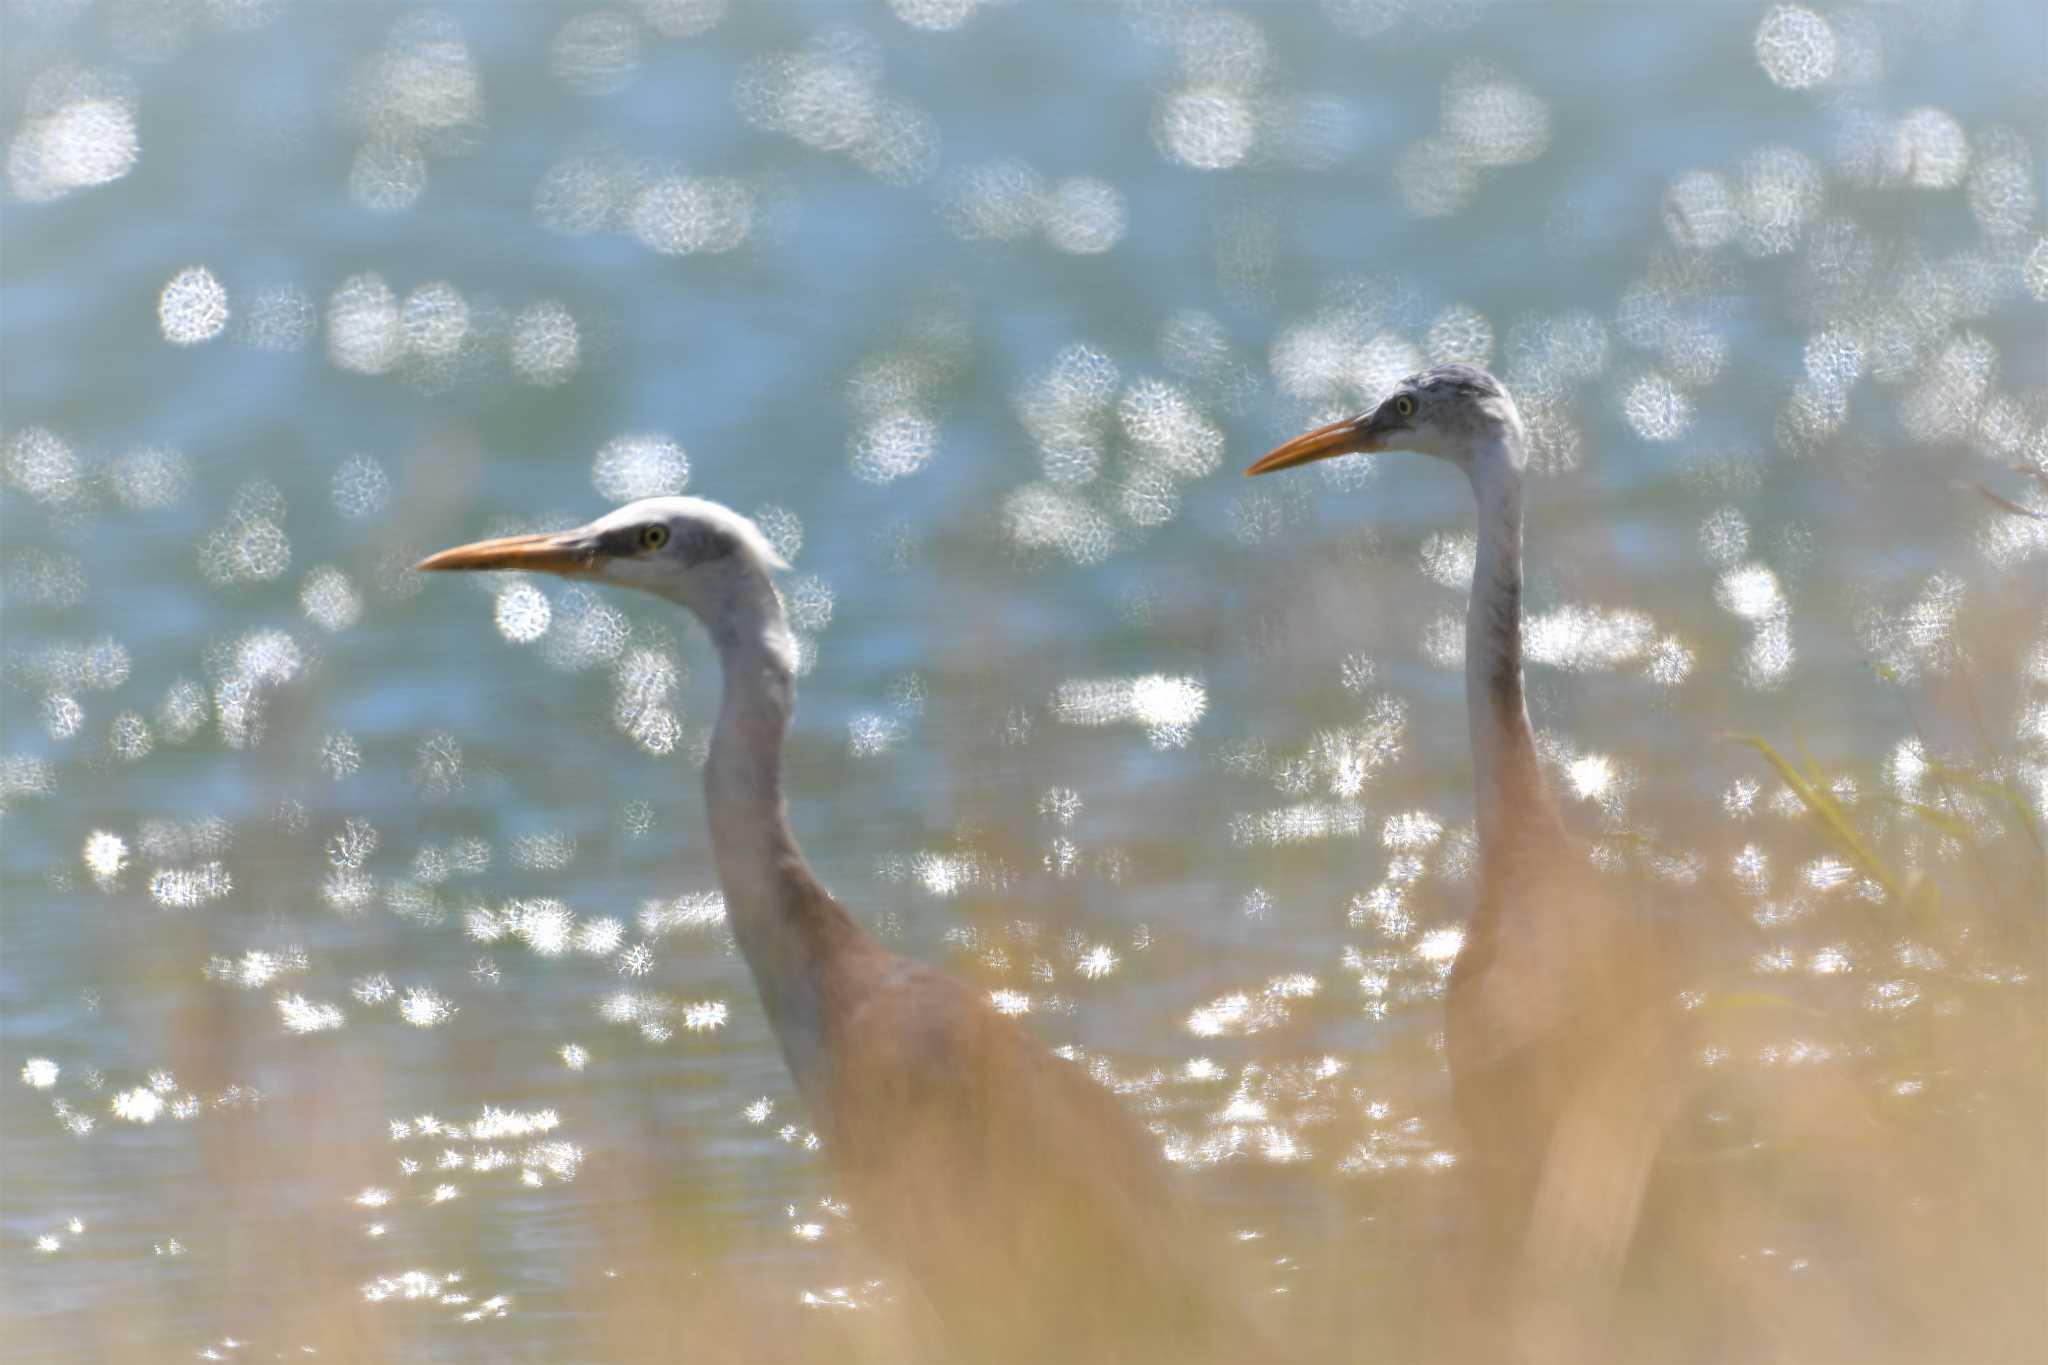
{"x": 1559, "y": 1057}
{"x": 1030, "y": 1211}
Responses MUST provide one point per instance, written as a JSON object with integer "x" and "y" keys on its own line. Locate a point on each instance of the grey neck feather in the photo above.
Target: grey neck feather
{"x": 787, "y": 928}
{"x": 1510, "y": 791}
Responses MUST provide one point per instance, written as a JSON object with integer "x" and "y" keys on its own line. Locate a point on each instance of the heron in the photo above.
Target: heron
{"x": 1550, "y": 1012}
{"x": 1032, "y": 1213}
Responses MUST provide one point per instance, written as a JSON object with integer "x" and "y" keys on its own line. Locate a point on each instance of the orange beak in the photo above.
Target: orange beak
{"x": 1352, "y": 436}
{"x": 563, "y": 552}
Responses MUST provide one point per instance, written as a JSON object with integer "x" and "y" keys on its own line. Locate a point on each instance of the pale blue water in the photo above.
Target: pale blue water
{"x": 246, "y": 122}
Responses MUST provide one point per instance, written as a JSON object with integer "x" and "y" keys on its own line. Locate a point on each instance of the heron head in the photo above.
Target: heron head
{"x": 1458, "y": 413}
{"x": 700, "y": 554}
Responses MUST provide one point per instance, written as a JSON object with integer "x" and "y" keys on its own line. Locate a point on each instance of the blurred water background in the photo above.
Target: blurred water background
{"x": 365, "y": 985}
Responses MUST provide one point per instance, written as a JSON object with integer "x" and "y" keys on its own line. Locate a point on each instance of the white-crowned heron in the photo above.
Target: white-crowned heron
{"x": 1551, "y": 1028}
{"x": 1031, "y": 1211}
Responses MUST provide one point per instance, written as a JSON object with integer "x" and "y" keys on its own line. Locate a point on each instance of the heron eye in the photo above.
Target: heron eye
{"x": 654, "y": 536}
{"x": 1404, "y": 405}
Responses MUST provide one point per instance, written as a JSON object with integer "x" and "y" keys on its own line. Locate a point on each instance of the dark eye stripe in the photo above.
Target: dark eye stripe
{"x": 701, "y": 543}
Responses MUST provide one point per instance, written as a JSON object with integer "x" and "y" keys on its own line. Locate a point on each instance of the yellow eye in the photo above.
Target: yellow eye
{"x": 653, "y": 536}
{"x": 1404, "y": 405}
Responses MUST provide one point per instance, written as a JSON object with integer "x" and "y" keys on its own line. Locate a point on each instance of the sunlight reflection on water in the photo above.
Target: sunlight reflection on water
{"x": 299, "y": 856}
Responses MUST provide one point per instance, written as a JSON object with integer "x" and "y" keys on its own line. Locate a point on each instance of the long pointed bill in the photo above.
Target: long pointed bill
{"x": 1348, "y": 437}
{"x": 566, "y": 552}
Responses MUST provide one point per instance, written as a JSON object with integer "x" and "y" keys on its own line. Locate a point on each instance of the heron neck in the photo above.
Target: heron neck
{"x": 1507, "y": 781}
{"x": 787, "y": 927}
{"x": 750, "y": 833}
